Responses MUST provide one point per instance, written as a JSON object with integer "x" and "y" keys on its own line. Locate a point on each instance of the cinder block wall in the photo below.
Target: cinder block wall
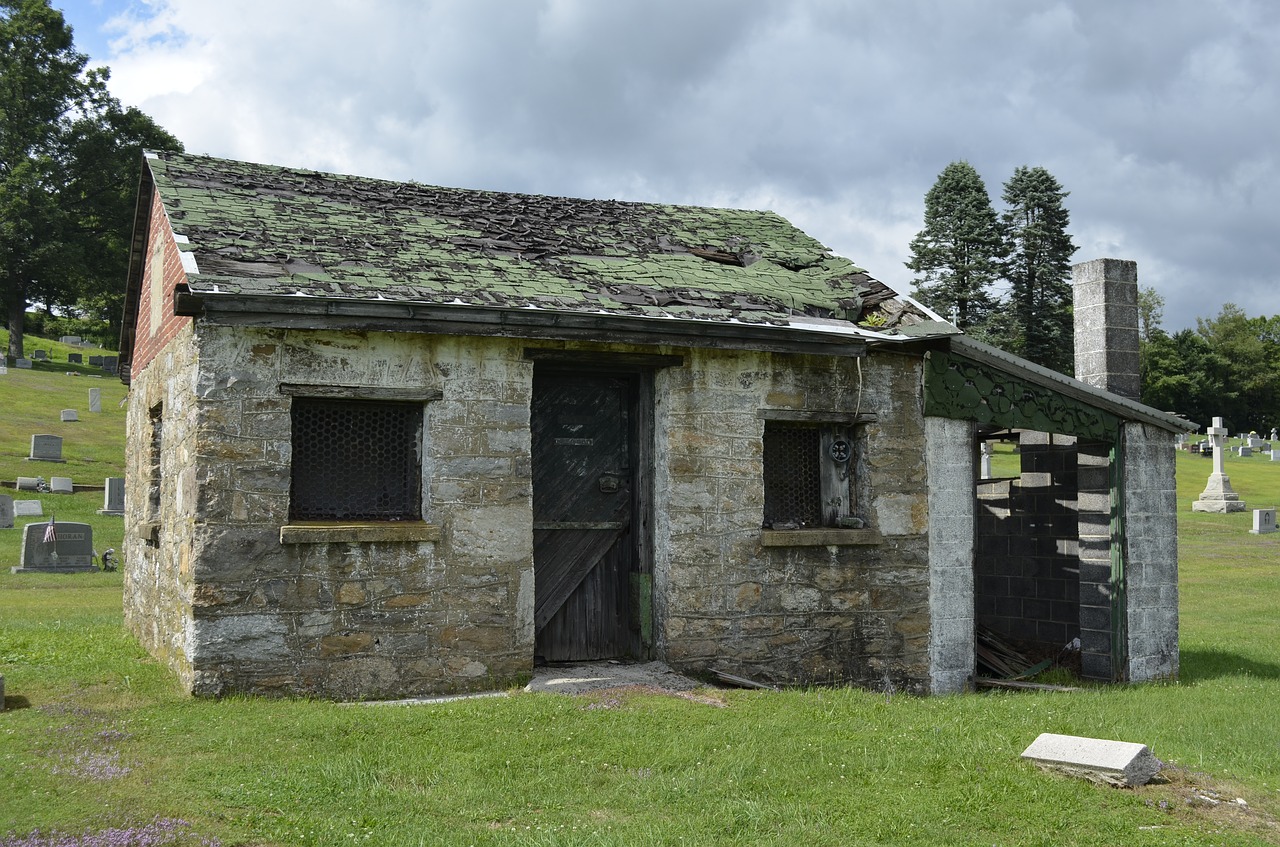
{"x": 1151, "y": 552}
{"x": 950, "y": 460}
{"x": 847, "y": 614}
{"x": 1026, "y": 565}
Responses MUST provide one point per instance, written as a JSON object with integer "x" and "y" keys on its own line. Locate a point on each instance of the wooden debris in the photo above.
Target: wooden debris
{"x": 741, "y": 681}
{"x": 988, "y": 682}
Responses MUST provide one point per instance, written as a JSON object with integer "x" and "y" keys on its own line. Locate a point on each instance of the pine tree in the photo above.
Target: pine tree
{"x": 1038, "y": 268}
{"x": 956, "y": 256}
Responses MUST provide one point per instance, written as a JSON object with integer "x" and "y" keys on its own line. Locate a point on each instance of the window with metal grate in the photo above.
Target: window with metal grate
{"x": 808, "y": 470}
{"x": 356, "y": 460}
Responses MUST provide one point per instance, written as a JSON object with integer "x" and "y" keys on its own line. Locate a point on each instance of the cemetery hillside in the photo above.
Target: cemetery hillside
{"x": 99, "y": 746}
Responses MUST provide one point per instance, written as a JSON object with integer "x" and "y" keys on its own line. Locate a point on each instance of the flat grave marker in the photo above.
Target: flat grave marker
{"x": 24, "y": 364}
{"x": 28, "y": 509}
{"x": 28, "y": 483}
{"x": 1116, "y": 762}
{"x": 61, "y": 485}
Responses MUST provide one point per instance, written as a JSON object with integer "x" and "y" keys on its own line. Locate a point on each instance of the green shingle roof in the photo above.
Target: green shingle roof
{"x": 259, "y": 229}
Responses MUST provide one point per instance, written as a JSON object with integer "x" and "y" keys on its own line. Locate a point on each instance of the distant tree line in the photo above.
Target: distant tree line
{"x": 1228, "y": 367}
{"x": 1004, "y": 279}
{"x": 70, "y": 156}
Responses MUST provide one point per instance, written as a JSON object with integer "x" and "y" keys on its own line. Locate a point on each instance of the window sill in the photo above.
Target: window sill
{"x": 818, "y": 537}
{"x": 323, "y": 532}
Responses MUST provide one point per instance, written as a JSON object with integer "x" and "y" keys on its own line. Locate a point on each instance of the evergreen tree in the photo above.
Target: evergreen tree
{"x": 1038, "y": 268}
{"x": 956, "y": 256}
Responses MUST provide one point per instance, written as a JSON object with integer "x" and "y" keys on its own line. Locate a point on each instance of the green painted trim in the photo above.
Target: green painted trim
{"x": 959, "y": 388}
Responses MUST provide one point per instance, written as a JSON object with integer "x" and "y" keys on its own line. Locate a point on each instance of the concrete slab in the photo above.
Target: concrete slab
{"x": 1115, "y": 762}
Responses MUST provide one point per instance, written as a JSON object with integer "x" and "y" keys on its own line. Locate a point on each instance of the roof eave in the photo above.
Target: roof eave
{"x": 312, "y": 312}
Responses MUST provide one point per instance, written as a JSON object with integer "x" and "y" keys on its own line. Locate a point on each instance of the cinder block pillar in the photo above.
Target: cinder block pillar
{"x": 1097, "y": 592}
{"x": 950, "y": 462}
{"x": 1106, "y": 325}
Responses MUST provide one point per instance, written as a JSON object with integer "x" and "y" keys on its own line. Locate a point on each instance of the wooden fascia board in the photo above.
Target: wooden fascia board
{"x": 292, "y": 312}
{"x": 137, "y": 261}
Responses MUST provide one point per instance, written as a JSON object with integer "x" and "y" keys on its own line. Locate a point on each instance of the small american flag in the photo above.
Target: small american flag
{"x": 50, "y": 532}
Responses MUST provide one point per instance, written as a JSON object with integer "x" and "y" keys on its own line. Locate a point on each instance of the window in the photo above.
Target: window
{"x": 356, "y": 460}
{"x": 809, "y": 475}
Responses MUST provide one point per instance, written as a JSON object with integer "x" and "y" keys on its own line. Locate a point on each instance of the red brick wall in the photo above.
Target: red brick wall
{"x": 146, "y": 345}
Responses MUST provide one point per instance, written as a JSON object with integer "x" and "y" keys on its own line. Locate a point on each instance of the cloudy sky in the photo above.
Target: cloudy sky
{"x": 1159, "y": 116}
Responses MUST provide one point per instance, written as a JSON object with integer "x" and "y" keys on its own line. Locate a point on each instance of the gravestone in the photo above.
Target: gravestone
{"x": 6, "y": 511}
{"x": 46, "y": 448}
{"x": 61, "y": 485}
{"x": 28, "y": 509}
{"x": 1274, "y": 435}
{"x": 24, "y": 364}
{"x": 75, "y": 358}
{"x": 1275, "y": 455}
{"x": 1117, "y": 762}
{"x": 28, "y": 483}
{"x": 39, "y": 355}
{"x": 113, "y": 496}
{"x": 1244, "y": 451}
{"x": 95, "y": 400}
{"x": 96, "y": 361}
{"x": 984, "y": 471}
{"x": 4, "y": 369}
{"x": 70, "y": 416}
{"x": 110, "y": 363}
{"x": 1218, "y": 495}
{"x": 70, "y": 339}
{"x": 1264, "y": 521}
{"x": 68, "y": 548}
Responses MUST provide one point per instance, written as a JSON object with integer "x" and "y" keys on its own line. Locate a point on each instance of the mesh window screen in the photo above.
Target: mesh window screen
{"x": 355, "y": 460}
{"x": 792, "y": 478}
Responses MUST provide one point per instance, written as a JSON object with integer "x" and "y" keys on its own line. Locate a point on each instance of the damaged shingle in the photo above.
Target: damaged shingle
{"x": 258, "y": 229}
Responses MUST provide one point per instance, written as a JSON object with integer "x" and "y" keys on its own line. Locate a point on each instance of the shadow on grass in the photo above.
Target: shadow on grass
{"x": 1200, "y": 665}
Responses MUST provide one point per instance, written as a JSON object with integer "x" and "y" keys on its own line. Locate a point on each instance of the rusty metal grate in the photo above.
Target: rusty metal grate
{"x": 792, "y": 478}
{"x": 355, "y": 460}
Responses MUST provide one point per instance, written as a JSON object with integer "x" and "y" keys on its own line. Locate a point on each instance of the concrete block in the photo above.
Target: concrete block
{"x": 1115, "y": 762}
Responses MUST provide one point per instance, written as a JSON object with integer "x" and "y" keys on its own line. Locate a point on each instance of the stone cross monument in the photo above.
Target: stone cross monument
{"x": 1218, "y": 495}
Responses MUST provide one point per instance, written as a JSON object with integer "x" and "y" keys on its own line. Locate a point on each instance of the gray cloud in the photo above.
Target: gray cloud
{"x": 1158, "y": 117}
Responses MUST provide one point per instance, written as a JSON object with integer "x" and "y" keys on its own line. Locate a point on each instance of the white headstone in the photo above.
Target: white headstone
{"x": 61, "y": 485}
{"x": 4, "y": 369}
{"x": 1218, "y": 495}
{"x": 1119, "y": 762}
{"x": 46, "y": 448}
{"x": 57, "y": 546}
{"x": 113, "y": 496}
{"x": 984, "y": 470}
{"x": 1264, "y": 521}
{"x": 70, "y": 339}
{"x": 1275, "y": 455}
{"x": 6, "y": 511}
{"x": 24, "y": 364}
{"x": 70, "y": 416}
{"x": 95, "y": 400}
{"x": 28, "y": 508}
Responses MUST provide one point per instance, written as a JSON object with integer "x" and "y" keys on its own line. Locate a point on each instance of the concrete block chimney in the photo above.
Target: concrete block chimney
{"x": 1106, "y": 325}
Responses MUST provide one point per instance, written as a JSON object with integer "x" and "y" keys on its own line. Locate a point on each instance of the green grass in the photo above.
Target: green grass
{"x": 798, "y": 767}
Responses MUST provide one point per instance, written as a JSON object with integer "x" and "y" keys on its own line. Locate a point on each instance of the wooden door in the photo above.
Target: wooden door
{"x": 584, "y": 549}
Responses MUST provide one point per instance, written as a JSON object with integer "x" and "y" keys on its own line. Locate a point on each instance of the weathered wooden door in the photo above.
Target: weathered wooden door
{"x": 583, "y": 426}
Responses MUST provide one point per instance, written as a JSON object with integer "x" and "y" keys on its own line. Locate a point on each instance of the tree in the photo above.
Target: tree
{"x": 1150, "y": 312}
{"x": 956, "y": 256}
{"x": 68, "y": 172}
{"x": 1038, "y": 268}
{"x": 1251, "y": 400}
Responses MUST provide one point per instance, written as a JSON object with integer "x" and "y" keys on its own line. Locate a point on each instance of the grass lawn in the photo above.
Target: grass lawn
{"x": 97, "y": 736}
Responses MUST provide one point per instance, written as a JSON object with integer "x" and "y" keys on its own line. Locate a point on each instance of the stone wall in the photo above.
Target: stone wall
{"x": 359, "y": 619}
{"x": 855, "y": 612}
{"x": 1151, "y": 552}
{"x": 161, "y": 481}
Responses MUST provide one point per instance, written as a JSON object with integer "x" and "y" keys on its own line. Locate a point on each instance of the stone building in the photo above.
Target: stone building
{"x": 388, "y": 439}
